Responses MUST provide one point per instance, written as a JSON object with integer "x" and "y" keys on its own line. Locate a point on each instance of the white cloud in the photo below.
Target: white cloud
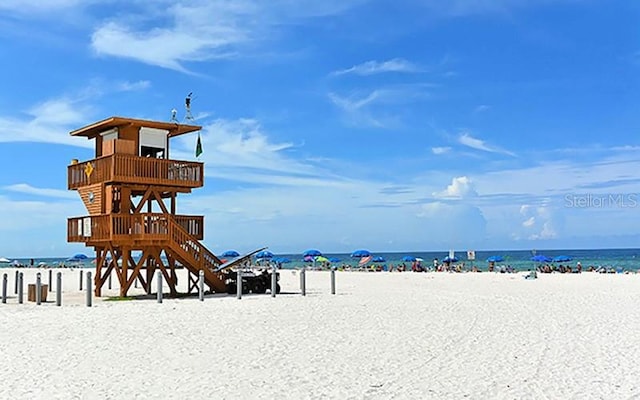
{"x": 467, "y": 140}
{"x": 375, "y": 108}
{"x": 440, "y": 150}
{"x": 376, "y": 67}
{"x": 201, "y": 30}
{"x": 460, "y": 187}
{"x": 481, "y": 108}
{"x": 28, "y": 189}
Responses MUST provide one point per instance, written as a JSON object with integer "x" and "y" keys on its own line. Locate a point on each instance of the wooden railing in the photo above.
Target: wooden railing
{"x": 126, "y": 168}
{"x": 124, "y": 227}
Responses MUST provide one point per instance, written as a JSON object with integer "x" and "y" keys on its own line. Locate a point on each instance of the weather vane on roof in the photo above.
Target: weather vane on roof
{"x": 187, "y": 106}
{"x": 174, "y": 115}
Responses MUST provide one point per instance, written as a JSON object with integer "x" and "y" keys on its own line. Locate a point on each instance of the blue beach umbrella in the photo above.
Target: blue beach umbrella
{"x": 541, "y": 258}
{"x": 312, "y": 253}
{"x": 80, "y": 256}
{"x": 561, "y": 259}
{"x": 230, "y": 253}
{"x": 361, "y": 253}
{"x": 495, "y": 259}
{"x": 281, "y": 260}
{"x": 409, "y": 258}
{"x": 264, "y": 254}
{"x": 378, "y": 259}
{"x": 448, "y": 259}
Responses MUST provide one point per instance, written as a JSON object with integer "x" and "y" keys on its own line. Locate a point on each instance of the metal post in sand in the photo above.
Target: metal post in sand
{"x": 59, "y": 289}
{"x": 4, "y": 288}
{"x": 159, "y": 278}
{"x": 303, "y": 281}
{"x": 16, "y": 283}
{"x": 89, "y": 299}
{"x": 20, "y": 288}
{"x": 274, "y": 282}
{"x": 38, "y": 289}
{"x": 81, "y": 272}
{"x": 201, "y": 285}
{"x": 50, "y": 281}
{"x": 239, "y": 284}
{"x": 333, "y": 281}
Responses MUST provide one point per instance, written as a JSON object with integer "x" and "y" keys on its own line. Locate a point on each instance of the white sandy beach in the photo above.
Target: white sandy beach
{"x": 383, "y": 336}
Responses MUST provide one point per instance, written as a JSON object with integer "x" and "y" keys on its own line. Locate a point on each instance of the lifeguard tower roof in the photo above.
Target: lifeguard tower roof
{"x": 93, "y": 130}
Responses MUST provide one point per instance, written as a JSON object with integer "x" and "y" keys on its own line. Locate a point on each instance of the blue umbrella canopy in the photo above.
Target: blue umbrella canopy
{"x": 230, "y": 253}
{"x": 80, "y": 256}
{"x": 361, "y": 253}
{"x": 378, "y": 259}
{"x": 264, "y": 254}
{"x": 312, "y": 253}
{"x": 541, "y": 258}
{"x": 561, "y": 259}
{"x": 495, "y": 259}
{"x": 448, "y": 259}
{"x": 409, "y": 258}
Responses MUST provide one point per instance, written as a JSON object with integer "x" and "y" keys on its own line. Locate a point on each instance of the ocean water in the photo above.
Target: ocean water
{"x": 628, "y": 259}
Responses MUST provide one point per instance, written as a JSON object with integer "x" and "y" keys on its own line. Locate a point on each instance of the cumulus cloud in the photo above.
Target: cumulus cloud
{"x": 377, "y": 67}
{"x": 538, "y": 222}
{"x": 460, "y": 187}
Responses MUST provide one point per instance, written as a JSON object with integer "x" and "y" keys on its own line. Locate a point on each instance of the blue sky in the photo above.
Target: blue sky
{"x": 389, "y": 125}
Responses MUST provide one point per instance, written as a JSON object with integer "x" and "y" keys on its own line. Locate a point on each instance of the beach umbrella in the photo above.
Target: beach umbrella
{"x": 4, "y": 260}
{"x": 364, "y": 260}
{"x": 264, "y": 254}
{"x": 322, "y": 259}
{"x": 15, "y": 263}
{"x": 409, "y": 258}
{"x": 334, "y": 259}
{"x": 308, "y": 259}
{"x": 448, "y": 259}
{"x": 541, "y": 258}
{"x": 361, "y": 253}
{"x": 230, "y": 253}
{"x": 378, "y": 259}
{"x": 312, "y": 253}
{"x": 561, "y": 259}
{"x": 79, "y": 256}
{"x": 495, "y": 259}
{"x": 281, "y": 260}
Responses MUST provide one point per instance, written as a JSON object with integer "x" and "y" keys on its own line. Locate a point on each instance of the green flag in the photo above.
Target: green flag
{"x": 198, "y": 147}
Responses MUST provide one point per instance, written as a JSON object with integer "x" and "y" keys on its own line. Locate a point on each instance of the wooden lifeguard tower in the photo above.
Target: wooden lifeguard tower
{"x": 130, "y": 190}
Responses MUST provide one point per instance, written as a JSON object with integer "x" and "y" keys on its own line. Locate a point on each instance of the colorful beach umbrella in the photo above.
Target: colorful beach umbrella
{"x": 322, "y": 259}
{"x": 364, "y": 260}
